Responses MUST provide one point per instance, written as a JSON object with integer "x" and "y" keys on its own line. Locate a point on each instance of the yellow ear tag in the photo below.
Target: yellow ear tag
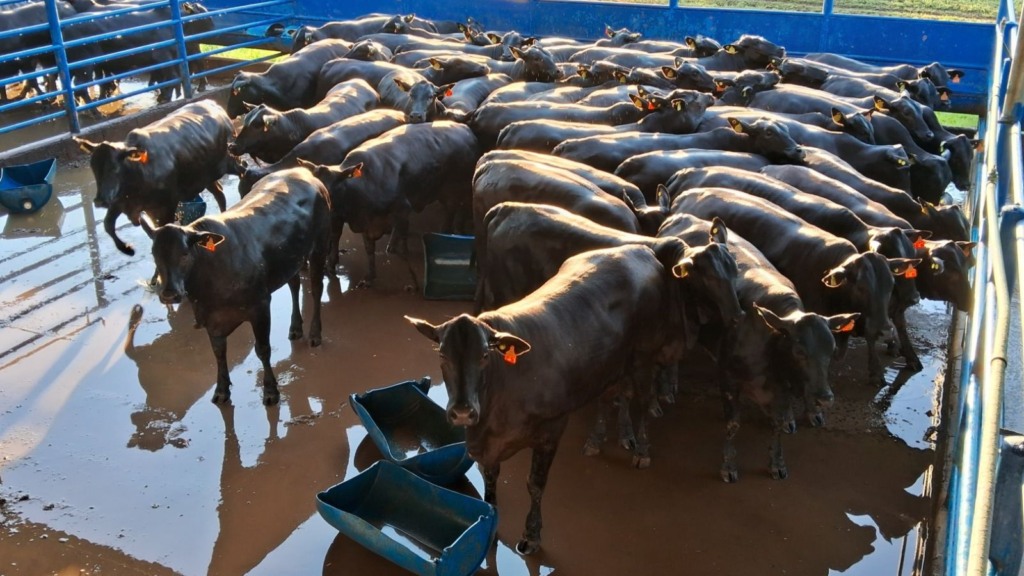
{"x": 209, "y": 244}
{"x": 510, "y": 355}
{"x": 910, "y": 273}
{"x": 919, "y": 244}
{"x": 848, "y": 327}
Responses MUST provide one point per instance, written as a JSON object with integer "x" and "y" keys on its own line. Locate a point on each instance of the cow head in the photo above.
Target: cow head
{"x": 620, "y": 37}
{"x": 602, "y": 71}
{"x": 303, "y": 37}
{"x": 923, "y": 91}
{"x": 770, "y": 139}
{"x": 469, "y": 349}
{"x": 175, "y": 250}
{"x": 857, "y": 124}
{"x": 369, "y": 51}
{"x": 455, "y": 68}
{"x": 755, "y": 51}
{"x": 678, "y": 115}
{"x": 246, "y": 88}
{"x": 398, "y": 24}
{"x": 538, "y": 64}
{"x": 689, "y": 75}
{"x": 337, "y": 181}
{"x": 738, "y": 91}
{"x": 802, "y": 347}
{"x": 108, "y": 162}
{"x": 944, "y": 272}
{"x": 946, "y": 222}
{"x": 260, "y": 127}
{"x": 863, "y": 283}
{"x": 894, "y": 244}
{"x": 907, "y": 112}
{"x": 959, "y": 153}
{"x": 702, "y": 46}
{"x": 802, "y": 72}
{"x": 710, "y": 274}
{"x": 424, "y": 103}
{"x": 939, "y": 75}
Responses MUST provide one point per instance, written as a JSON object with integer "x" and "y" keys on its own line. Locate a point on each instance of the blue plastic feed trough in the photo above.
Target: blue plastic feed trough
{"x": 26, "y": 188}
{"x": 423, "y": 528}
{"x": 190, "y": 211}
{"x": 412, "y": 431}
{"x": 450, "y": 273}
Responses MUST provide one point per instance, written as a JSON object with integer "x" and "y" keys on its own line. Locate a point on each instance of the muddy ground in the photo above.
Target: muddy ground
{"x": 115, "y": 462}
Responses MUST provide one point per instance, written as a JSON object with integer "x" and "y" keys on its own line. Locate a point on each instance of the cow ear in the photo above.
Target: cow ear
{"x": 516, "y": 52}
{"x": 206, "y": 240}
{"x": 668, "y": 72}
{"x": 409, "y": 18}
{"x": 494, "y": 38}
{"x": 928, "y": 208}
{"x": 772, "y": 320}
{"x": 731, "y": 49}
{"x": 353, "y": 171}
{"x": 904, "y": 266}
{"x": 880, "y": 104}
{"x": 682, "y": 268}
{"x": 738, "y": 125}
{"x": 966, "y": 247}
{"x": 425, "y": 328}
{"x": 867, "y": 114}
{"x": 938, "y": 266}
{"x": 402, "y": 84}
{"x": 608, "y": 31}
{"x": 640, "y": 102}
{"x": 136, "y": 155}
{"x": 841, "y": 323}
{"x": 248, "y": 107}
{"x": 955, "y": 75}
{"x": 664, "y": 199}
{"x": 719, "y": 233}
{"x": 509, "y": 344}
{"x": 436, "y": 64}
{"x": 838, "y": 117}
{"x": 85, "y": 145}
{"x": 444, "y": 91}
{"x": 834, "y": 278}
{"x": 148, "y": 226}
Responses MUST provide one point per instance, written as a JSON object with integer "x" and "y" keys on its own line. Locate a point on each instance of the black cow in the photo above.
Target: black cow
{"x": 944, "y": 272}
{"x": 777, "y": 351}
{"x": 339, "y": 70}
{"x": 944, "y": 222}
{"x": 291, "y": 83}
{"x": 516, "y": 373}
{"x": 829, "y": 273}
{"x": 893, "y": 243}
{"x": 384, "y": 180}
{"x": 935, "y": 72}
{"x": 168, "y": 161}
{"x": 328, "y": 145}
{"x": 268, "y": 134}
{"x": 957, "y": 149}
{"x": 350, "y": 30}
{"x": 228, "y": 265}
{"x": 466, "y": 95}
{"x": 488, "y": 120}
{"x": 409, "y": 92}
{"x": 650, "y": 169}
{"x": 855, "y": 121}
{"x": 762, "y": 137}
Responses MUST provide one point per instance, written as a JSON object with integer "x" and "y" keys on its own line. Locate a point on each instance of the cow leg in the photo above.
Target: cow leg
{"x": 110, "y": 226}
{"x": 261, "y": 330}
{"x": 627, "y": 438}
{"x": 875, "y": 374}
{"x": 543, "y": 456}
{"x": 217, "y": 190}
{"x": 295, "y": 328}
{"x": 644, "y": 384}
{"x": 899, "y": 320}
{"x": 316, "y": 281}
{"x": 222, "y": 393}
{"x": 490, "y": 474}
{"x": 730, "y": 406}
{"x": 370, "y": 245}
{"x": 592, "y": 447}
{"x": 781, "y": 415}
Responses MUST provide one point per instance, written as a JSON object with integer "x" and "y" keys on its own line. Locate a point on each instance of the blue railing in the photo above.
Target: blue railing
{"x": 984, "y": 536}
{"x": 47, "y": 41}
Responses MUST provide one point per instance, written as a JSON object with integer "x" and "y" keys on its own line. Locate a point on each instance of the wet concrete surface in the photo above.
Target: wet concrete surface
{"x": 114, "y": 461}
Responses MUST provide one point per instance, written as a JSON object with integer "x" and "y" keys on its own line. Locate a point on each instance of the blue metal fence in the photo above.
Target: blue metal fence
{"x": 983, "y": 537}
{"x": 66, "y": 45}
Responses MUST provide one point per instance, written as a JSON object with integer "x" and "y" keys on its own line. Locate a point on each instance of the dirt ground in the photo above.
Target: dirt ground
{"x": 116, "y": 462}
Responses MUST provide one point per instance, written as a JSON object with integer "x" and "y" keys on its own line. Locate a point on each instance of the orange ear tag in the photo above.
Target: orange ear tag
{"x": 848, "y": 327}
{"x": 944, "y": 97}
{"x": 447, "y": 92}
{"x": 209, "y": 244}
{"x": 357, "y": 173}
{"x": 956, "y": 79}
{"x": 919, "y": 244}
{"x": 910, "y": 273}
{"x": 651, "y": 106}
{"x": 510, "y": 355}
{"x": 144, "y": 156}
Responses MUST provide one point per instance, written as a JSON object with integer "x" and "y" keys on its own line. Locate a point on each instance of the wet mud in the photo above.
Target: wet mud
{"x": 113, "y": 460}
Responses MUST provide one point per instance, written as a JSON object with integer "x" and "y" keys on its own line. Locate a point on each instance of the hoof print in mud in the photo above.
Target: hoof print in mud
{"x": 527, "y": 547}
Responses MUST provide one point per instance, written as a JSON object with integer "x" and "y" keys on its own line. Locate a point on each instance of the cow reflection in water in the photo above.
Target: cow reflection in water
{"x": 172, "y": 377}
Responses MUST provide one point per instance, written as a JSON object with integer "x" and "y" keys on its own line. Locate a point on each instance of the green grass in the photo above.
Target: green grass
{"x": 243, "y": 53}
{"x": 970, "y": 10}
{"x": 954, "y": 120}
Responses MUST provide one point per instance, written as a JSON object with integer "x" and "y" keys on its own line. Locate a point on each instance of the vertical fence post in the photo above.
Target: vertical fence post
{"x": 61, "y": 55}
{"x": 826, "y": 18}
{"x": 179, "y": 35}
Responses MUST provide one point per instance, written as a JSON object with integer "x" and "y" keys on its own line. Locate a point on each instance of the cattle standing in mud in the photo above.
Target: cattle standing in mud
{"x": 159, "y": 165}
{"x": 228, "y": 265}
{"x": 600, "y": 319}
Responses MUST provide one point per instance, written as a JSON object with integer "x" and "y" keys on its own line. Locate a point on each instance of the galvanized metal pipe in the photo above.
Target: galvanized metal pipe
{"x": 1015, "y": 89}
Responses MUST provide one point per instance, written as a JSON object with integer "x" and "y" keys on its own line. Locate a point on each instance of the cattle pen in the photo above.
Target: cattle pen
{"x": 63, "y": 500}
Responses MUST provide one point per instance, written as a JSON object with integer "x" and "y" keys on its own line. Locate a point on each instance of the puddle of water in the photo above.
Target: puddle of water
{"x": 124, "y": 453}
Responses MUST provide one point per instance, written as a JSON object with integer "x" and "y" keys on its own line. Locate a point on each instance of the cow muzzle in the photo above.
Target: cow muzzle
{"x": 463, "y": 415}
{"x": 170, "y": 297}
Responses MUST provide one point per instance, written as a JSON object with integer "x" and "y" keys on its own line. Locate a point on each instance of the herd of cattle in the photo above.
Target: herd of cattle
{"x": 158, "y": 61}
{"x": 632, "y": 201}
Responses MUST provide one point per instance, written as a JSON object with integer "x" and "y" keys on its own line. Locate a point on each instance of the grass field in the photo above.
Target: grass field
{"x": 973, "y": 10}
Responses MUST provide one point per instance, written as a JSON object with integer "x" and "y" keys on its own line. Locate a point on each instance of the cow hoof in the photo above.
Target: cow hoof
{"x": 314, "y": 341}
{"x": 591, "y": 449}
{"x": 294, "y": 334}
{"x": 914, "y": 364}
{"x": 221, "y": 397}
{"x": 789, "y": 426}
{"x": 641, "y": 462}
{"x": 816, "y": 419}
{"x": 136, "y": 315}
{"x": 730, "y": 475}
{"x": 628, "y": 443}
{"x": 271, "y": 398}
{"x": 655, "y": 410}
{"x": 668, "y": 398}
{"x": 526, "y": 547}
{"x": 779, "y": 473}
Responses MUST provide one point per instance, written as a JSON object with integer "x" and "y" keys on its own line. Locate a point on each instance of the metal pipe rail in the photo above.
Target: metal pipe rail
{"x": 996, "y": 210}
{"x": 171, "y": 37}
